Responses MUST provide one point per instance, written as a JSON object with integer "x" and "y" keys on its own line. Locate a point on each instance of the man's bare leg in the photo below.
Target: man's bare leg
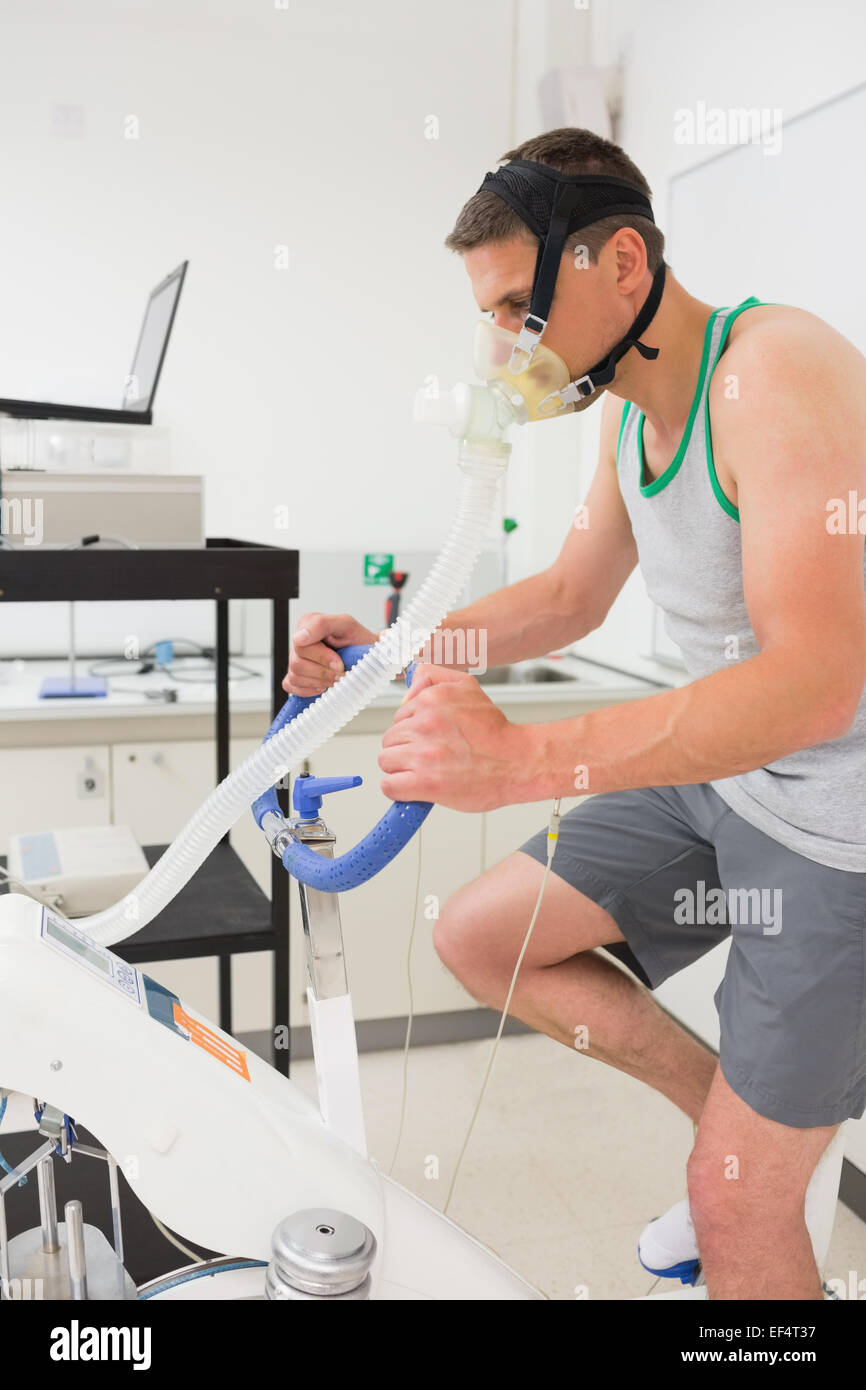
{"x": 563, "y": 985}
{"x": 750, "y": 1174}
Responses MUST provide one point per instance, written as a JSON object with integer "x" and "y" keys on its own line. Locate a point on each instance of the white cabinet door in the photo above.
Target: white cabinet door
{"x": 158, "y": 786}
{"x": 53, "y": 789}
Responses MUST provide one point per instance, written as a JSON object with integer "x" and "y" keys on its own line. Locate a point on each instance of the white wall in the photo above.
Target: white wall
{"x": 259, "y": 126}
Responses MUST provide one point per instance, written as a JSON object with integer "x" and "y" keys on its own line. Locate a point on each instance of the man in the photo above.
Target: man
{"x": 729, "y": 439}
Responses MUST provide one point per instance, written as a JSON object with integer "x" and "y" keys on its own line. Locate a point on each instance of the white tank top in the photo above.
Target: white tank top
{"x": 688, "y": 539}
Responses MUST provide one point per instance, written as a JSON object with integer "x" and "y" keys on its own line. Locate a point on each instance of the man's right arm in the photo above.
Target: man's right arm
{"x": 572, "y": 597}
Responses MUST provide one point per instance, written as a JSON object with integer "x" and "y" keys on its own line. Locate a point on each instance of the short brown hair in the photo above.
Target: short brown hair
{"x": 569, "y": 150}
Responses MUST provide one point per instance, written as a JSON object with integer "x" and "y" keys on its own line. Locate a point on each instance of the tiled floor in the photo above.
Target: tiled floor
{"x": 568, "y": 1160}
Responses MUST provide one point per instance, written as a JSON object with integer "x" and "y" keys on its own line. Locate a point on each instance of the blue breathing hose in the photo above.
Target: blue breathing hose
{"x": 377, "y": 848}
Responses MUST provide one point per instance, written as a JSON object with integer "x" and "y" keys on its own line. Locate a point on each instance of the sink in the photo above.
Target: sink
{"x": 572, "y": 671}
{"x": 522, "y": 674}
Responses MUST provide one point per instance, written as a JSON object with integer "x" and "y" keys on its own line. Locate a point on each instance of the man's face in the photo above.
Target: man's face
{"x": 581, "y": 328}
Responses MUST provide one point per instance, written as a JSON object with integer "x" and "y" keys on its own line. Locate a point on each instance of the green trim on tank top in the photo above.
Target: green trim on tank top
{"x": 724, "y": 502}
{"x": 650, "y": 489}
{"x": 666, "y": 476}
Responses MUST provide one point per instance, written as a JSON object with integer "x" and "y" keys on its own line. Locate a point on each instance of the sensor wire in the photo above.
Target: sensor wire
{"x": 552, "y": 835}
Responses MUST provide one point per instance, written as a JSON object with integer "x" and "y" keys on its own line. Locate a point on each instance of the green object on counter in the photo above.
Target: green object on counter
{"x": 509, "y": 525}
{"x": 377, "y": 568}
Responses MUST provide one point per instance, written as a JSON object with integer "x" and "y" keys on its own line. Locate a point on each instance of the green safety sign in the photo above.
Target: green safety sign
{"x": 377, "y": 567}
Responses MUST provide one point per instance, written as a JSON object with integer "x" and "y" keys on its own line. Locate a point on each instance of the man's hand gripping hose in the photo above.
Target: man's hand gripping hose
{"x": 378, "y": 848}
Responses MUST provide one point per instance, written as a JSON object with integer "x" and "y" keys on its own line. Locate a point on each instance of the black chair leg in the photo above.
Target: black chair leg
{"x": 282, "y": 1032}
{"x": 225, "y": 993}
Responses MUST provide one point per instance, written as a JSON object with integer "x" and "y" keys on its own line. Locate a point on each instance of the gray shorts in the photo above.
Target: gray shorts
{"x": 679, "y": 871}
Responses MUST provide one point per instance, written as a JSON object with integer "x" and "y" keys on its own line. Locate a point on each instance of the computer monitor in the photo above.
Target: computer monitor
{"x": 140, "y": 386}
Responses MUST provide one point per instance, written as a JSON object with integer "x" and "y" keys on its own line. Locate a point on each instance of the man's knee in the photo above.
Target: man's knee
{"x": 473, "y": 937}
{"x": 706, "y": 1182}
{"x": 726, "y": 1201}
{"x": 481, "y": 928}
{"x": 457, "y": 932}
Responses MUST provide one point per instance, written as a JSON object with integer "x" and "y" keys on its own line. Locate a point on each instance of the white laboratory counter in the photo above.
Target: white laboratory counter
{"x": 134, "y": 705}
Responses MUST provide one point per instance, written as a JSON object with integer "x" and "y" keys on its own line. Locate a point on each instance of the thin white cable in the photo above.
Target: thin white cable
{"x": 552, "y": 833}
{"x": 184, "y": 1249}
{"x": 411, "y": 1009}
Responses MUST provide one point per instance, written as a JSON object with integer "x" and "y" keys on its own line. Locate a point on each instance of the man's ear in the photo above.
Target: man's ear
{"x": 632, "y": 266}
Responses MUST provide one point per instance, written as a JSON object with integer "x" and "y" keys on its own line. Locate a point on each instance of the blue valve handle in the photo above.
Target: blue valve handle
{"x": 308, "y": 793}
{"x": 392, "y": 833}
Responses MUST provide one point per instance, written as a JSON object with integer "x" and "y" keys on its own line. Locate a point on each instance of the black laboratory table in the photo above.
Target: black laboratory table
{"x": 221, "y": 912}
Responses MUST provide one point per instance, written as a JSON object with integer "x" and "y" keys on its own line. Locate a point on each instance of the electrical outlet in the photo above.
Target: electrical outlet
{"x": 90, "y": 784}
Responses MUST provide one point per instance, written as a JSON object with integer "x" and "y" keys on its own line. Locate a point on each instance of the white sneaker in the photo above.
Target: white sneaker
{"x": 668, "y": 1246}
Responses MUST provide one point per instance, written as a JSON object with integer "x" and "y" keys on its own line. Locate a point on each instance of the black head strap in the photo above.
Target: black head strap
{"x": 602, "y": 374}
{"x": 553, "y": 206}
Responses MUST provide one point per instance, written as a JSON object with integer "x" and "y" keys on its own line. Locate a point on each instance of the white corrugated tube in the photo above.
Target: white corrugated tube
{"x": 482, "y": 463}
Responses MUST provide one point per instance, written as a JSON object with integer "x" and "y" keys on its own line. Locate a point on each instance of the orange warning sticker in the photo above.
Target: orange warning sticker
{"x": 232, "y": 1057}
